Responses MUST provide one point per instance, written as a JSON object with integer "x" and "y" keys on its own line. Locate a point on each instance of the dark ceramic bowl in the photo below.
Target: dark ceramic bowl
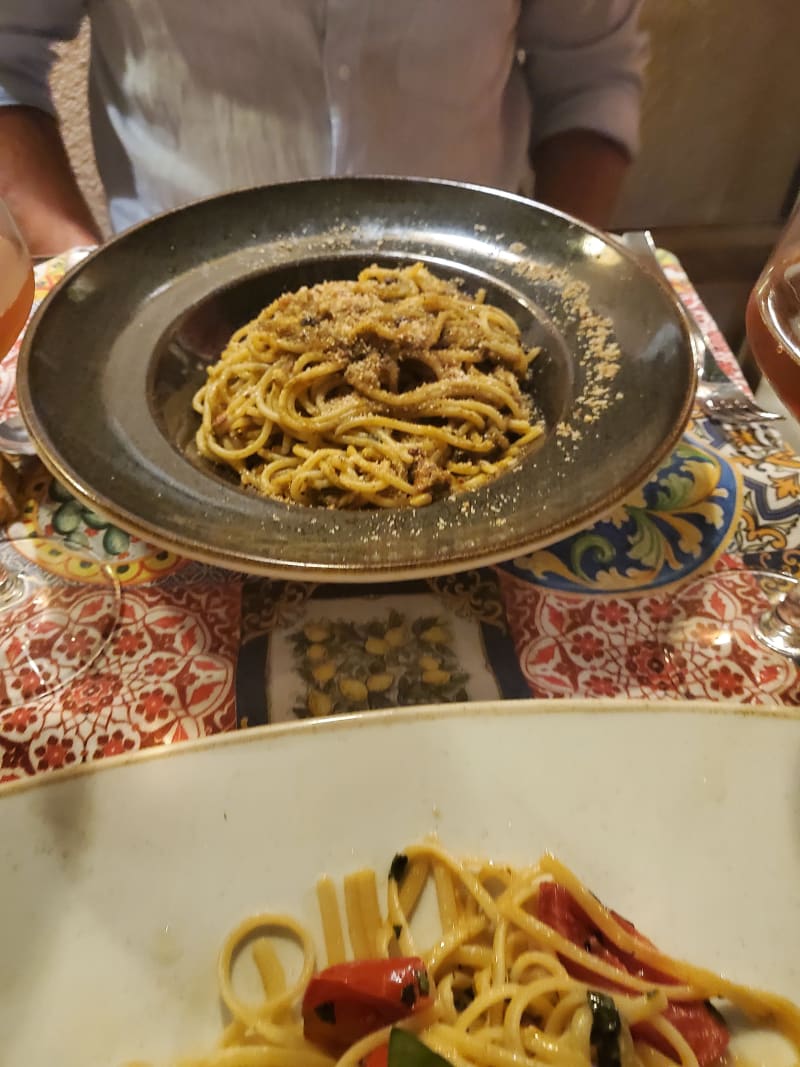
{"x": 113, "y": 356}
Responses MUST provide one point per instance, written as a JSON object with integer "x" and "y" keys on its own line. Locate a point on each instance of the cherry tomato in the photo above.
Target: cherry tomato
{"x": 702, "y": 1027}
{"x": 350, "y": 1000}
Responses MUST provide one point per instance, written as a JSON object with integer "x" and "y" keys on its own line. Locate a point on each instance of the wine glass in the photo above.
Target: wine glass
{"x": 58, "y": 605}
{"x": 750, "y": 616}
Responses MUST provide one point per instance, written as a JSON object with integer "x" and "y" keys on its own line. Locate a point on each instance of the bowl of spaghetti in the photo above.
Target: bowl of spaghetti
{"x": 390, "y": 390}
{"x": 356, "y": 379}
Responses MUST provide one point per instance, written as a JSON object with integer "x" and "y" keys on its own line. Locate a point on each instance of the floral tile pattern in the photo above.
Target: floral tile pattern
{"x": 166, "y": 675}
{"x": 198, "y": 650}
{"x": 620, "y": 646}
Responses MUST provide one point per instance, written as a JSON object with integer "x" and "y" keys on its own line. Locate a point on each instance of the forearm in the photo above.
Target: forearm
{"x": 580, "y": 172}
{"x": 38, "y": 185}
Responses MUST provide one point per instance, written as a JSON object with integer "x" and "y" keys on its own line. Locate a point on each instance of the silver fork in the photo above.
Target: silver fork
{"x": 720, "y": 399}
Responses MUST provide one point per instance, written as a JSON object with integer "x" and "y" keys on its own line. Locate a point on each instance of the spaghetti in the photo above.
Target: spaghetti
{"x": 528, "y": 968}
{"x": 391, "y": 390}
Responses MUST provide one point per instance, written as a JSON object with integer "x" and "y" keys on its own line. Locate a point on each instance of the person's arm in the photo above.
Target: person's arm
{"x": 580, "y": 172}
{"x": 35, "y": 177}
{"x": 584, "y": 69}
{"x": 38, "y": 185}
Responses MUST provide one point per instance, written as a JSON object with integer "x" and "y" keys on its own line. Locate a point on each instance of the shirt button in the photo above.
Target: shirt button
{"x": 344, "y": 72}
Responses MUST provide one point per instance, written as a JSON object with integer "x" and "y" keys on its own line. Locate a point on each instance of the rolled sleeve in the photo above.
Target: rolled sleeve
{"x": 29, "y": 30}
{"x": 585, "y": 69}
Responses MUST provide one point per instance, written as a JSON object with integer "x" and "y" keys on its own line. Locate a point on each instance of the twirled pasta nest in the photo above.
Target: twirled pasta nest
{"x": 393, "y": 389}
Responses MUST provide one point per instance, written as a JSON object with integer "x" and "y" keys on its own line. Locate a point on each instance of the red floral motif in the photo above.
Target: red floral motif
{"x": 19, "y": 720}
{"x": 704, "y": 633}
{"x": 155, "y": 705}
{"x": 55, "y": 751}
{"x": 129, "y": 643}
{"x": 30, "y": 683}
{"x": 728, "y": 682}
{"x": 659, "y": 611}
{"x": 598, "y": 685}
{"x": 160, "y": 666}
{"x": 647, "y": 662}
{"x": 113, "y": 744}
{"x": 613, "y": 612}
{"x": 78, "y": 646}
{"x": 586, "y": 645}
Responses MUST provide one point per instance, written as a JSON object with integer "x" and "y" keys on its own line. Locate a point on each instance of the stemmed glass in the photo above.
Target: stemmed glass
{"x": 58, "y": 606}
{"x": 748, "y": 614}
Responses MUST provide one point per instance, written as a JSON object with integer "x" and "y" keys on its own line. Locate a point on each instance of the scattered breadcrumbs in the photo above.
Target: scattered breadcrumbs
{"x": 598, "y": 352}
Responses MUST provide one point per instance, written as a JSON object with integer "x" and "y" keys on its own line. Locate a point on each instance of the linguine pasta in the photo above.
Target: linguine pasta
{"x": 505, "y": 987}
{"x": 394, "y": 389}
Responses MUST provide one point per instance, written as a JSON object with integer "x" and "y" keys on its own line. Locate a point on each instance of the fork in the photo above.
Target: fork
{"x": 720, "y": 399}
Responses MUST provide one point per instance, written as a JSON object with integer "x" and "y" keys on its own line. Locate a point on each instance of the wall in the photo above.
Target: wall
{"x": 720, "y": 121}
{"x": 720, "y": 128}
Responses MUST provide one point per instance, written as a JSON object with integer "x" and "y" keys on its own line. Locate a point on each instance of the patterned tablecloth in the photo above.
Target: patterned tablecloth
{"x": 199, "y": 650}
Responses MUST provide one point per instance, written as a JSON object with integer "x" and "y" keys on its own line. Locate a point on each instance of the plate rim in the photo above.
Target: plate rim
{"x": 386, "y": 717}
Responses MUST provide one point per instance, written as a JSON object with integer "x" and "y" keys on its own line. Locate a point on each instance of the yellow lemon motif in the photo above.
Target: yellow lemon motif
{"x": 376, "y": 646}
{"x": 379, "y": 683}
{"x": 434, "y": 635}
{"x": 436, "y": 677}
{"x": 353, "y": 689}
{"x": 319, "y": 704}
{"x": 324, "y": 672}
{"x": 395, "y": 636}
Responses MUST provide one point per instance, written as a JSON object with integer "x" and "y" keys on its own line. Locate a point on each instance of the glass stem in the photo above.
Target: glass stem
{"x": 779, "y": 628}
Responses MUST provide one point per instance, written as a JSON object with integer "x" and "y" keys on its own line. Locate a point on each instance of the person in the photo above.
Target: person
{"x": 188, "y": 99}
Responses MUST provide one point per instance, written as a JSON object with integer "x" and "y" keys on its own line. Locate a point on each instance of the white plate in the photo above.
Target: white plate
{"x": 120, "y": 883}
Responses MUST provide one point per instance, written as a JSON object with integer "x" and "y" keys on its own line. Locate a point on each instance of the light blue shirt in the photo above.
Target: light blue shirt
{"x": 191, "y": 97}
